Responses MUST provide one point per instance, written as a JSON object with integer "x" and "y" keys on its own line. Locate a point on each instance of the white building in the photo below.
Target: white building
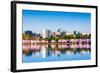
{"x": 85, "y": 33}
{"x": 69, "y": 33}
{"x": 46, "y": 33}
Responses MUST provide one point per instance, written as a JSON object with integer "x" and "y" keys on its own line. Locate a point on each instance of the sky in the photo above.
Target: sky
{"x": 36, "y": 21}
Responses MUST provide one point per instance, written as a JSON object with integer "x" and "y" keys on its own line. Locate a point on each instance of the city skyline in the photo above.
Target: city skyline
{"x": 55, "y": 31}
{"x": 36, "y": 21}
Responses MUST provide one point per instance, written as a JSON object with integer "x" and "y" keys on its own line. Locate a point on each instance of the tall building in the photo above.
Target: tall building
{"x": 46, "y": 33}
{"x": 75, "y": 32}
{"x": 59, "y": 30}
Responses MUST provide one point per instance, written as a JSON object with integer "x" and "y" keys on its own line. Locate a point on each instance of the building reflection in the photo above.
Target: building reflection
{"x": 56, "y": 50}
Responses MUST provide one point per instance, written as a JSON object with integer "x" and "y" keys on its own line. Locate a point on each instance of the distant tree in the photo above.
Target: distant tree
{"x": 89, "y": 36}
{"x": 26, "y": 36}
{"x": 69, "y": 37}
{"x": 79, "y": 36}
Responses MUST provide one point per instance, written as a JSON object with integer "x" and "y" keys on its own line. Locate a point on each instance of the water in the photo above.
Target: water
{"x": 64, "y": 52}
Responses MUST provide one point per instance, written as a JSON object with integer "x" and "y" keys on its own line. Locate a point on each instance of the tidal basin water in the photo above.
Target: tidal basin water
{"x": 48, "y": 53}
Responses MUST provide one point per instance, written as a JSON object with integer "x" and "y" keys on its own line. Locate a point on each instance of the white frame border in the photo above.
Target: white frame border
{"x": 51, "y": 64}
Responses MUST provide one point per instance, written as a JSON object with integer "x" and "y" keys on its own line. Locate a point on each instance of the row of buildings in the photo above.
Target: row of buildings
{"x": 46, "y": 33}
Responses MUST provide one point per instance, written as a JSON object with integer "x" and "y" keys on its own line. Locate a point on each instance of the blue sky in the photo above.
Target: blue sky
{"x": 36, "y": 21}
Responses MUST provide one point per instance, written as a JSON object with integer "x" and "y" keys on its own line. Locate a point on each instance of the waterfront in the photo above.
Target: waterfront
{"x": 56, "y": 52}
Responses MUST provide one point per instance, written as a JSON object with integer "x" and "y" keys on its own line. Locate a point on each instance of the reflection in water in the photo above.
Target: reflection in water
{"x": 40, "y": 53}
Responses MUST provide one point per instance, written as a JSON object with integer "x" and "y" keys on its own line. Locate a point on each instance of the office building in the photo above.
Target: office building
{"x": 46, "y": 33}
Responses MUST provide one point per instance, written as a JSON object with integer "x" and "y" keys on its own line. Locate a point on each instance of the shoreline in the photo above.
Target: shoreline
{"x": 53, "y": 42}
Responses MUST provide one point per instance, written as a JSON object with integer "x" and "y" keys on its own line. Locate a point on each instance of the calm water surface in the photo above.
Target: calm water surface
{"x": 46, "y": 53}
